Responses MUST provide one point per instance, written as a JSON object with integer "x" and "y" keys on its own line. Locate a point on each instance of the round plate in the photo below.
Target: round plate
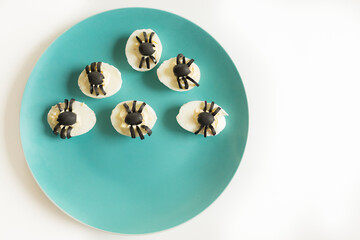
{"x": 113, "y": 182}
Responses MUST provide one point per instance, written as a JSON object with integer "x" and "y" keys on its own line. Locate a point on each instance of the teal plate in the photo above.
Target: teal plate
{"x": 113, "y": 182}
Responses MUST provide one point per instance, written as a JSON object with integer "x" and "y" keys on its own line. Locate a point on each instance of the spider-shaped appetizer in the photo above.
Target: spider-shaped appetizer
{"x": 207, "y": 118}
{"x": 179, "y": 73}
{"x": 96, "y": 78}
{"x": 143, "y": 50}
{"x": 146, "y": 48}
{"x": 198, "y": 117}
{"x": 182, "y": 71}
{"x": 65, "y": 120}
{"x": 100, "y": 80}
{"x": 71, "y": 118}
{"x": 133, "y": 118}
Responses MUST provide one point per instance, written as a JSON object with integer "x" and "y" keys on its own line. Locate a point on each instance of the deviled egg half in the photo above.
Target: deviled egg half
{"x": 143, "y": 50}
{"x": 100, "y": 80}
{"x": 201, "y": 117}
{"x": 71, "y": 118}
{"x": 179, "y": 74}
{"x": 133, "y": 119}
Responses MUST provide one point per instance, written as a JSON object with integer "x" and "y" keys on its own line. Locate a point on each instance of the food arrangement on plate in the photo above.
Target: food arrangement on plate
{"x": 105, "y": 178}
{"x": 132, "y": 118}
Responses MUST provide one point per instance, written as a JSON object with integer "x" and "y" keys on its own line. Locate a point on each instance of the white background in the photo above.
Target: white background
{"x": 300, "y": 64}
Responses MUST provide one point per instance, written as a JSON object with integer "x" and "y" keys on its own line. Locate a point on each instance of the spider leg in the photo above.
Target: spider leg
{"x": 56, "y": 129}
{"x": 205, "y": 130}
{"x": 212, "y": 130}
{"x": 139, "y": 132}
{"x": 205, "y": 106}
{"x": 211, "y": 107}
{"x": 148, "y": 63}
{"x": 98, "y": 67}
{"x": 216, "y": 111}
{"x": 151, "y": 36}
{"x": 141, "y": 62}
{"x": 68, "y": 132}
{"x": 102, "y": 89}
{"x": 145, "y": 37}
{"x": 132, "y": 132}
{"x": 62, "y": 133}
{"x": 91, "y": 88}
{"x": 134, "y": 106}
{"x": 87, "y": 69}
{"x": 92, "y": 66}
{"x": 190, "y": 62}
{"x": 192, "y": 80}
{"x": 153, "y": 59}
{"x": 66, "y": 104}
{"x": 178, "y": 80}
{"x": 178, "y": 58}
{"x": 186, "y": 83}
{"x": 96, "y": 90}
{"x": 127, "y": 108}
{"x": 148, "y": 130}
{"x": 138, "y": 39}
{"x": 184, "y": 59}
{"x": 141, "y": 107}
{"x": 201, "y": 127}
{"x": 71, "y": 104}
{"x": 59, "y": 106}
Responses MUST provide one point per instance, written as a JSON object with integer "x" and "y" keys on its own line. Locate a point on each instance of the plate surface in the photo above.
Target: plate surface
{"x": 120, "y": 184}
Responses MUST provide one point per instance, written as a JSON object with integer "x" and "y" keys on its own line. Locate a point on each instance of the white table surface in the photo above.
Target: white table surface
{"x": 300, "y": 63}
